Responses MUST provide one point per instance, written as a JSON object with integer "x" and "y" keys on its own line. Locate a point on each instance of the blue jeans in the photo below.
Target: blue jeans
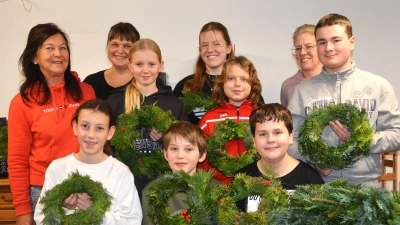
{"x": 35, "y": 194}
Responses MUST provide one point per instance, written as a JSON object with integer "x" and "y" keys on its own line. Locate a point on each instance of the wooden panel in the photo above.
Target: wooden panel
{"x": 7, "y": 212}
{"x": 7, "y": 215}
{"x": 389, "y": 161}
{"x": 389, "y": 176}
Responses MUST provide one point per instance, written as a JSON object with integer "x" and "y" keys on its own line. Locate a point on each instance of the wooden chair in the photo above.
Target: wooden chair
{"x": 389, "y": 160}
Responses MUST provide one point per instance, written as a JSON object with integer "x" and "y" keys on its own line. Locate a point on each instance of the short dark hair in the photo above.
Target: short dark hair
{"x": 190, "y": 132}
{"x": 123, "y": 31}
{"x": 333, "y": 19}
{"x": 271, "y": 112}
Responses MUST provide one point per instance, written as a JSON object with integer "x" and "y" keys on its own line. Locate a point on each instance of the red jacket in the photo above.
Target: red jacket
{"x": 233, "y": 147}
{"x": 38, "y": 135}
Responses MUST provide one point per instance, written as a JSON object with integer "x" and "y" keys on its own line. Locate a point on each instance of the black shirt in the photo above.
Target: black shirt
{"x": 302, "y": 174}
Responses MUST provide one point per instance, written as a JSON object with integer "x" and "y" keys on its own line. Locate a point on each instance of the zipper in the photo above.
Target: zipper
{"x": 337, "y": 80}
{"x": 339, "y": 84}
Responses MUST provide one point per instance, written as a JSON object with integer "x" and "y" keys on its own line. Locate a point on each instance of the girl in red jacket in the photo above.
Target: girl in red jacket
{"x": 236, "y": 92}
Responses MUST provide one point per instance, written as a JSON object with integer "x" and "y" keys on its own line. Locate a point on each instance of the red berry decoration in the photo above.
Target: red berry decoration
{"x": 224, "y": 132}
{"x": 266, "y": 183}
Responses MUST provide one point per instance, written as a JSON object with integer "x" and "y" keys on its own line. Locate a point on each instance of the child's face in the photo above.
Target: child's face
{"x": 118, "y": 52}
{"x": 92, "y": 132}
{"x": 145, "y": 66}
{"x": 334, "y": 48}
{"x": 236, "y": 86}
{"x": 182, "y": 155}
{"x": 213, "y": 50}
{"x": 307, "y": 61}
{"x": 272, "y": 140}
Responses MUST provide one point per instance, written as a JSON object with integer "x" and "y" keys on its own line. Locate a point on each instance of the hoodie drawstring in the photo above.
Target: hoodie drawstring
{"x": 55, "y": 105}
{"x": 62, "y": 101}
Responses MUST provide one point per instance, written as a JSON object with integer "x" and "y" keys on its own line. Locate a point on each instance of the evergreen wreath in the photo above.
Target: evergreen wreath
{"x": 273, "y": 199}
{"x": 345, "y": 154}
{"x": 128, "y": 129}
{"x": 75, "y": 183}
{"x": 4, "y": 141}
{"x": 200, "y": 198}
{"x": 216, "y": 152}
{"x": 337, "y": 203}
{"x": 192, "y": 100}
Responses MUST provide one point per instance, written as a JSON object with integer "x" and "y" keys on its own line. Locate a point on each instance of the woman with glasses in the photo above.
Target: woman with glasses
{"x": 306, "y": 57}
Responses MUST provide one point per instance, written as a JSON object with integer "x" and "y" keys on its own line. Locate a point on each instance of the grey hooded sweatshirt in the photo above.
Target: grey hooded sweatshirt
{"x": 361, "y": 89}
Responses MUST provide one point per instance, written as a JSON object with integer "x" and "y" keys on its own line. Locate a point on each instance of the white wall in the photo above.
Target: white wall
{"x": 260, "y": 30}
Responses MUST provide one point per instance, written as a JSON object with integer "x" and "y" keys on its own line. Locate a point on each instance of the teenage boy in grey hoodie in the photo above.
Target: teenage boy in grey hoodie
{"x": 342, "y": 82}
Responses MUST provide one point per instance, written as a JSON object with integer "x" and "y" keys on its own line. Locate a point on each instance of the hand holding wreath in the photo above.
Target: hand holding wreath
{"x": 53, "y": 200}
{"x": 77, "y": 200}
{"x": 128, "y": 129}
{"x": 341, "y": 131}
{"x": 345, "y": 154}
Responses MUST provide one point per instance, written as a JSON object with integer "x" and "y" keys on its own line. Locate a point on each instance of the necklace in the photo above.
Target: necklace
{"x": 212, "y": 79}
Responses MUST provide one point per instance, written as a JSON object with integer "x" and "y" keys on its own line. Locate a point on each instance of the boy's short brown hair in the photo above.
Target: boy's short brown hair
{"x": 333, "y": 19}
{"x": 271, "y": 112}
{"x": 190, "y": 132}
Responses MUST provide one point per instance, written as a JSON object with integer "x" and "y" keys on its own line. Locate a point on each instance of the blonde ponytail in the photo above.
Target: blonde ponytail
{"x": 133, "y": 97}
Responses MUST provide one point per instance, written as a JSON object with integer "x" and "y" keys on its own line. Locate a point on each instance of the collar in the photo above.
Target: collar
{"x": 344, "y": 75}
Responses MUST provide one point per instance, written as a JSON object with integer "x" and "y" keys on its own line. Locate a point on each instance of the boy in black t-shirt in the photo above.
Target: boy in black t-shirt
{"x": 272, "y": 129}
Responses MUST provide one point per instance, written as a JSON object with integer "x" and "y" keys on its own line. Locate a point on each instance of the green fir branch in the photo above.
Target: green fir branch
{"x": 338, "y": 203}
{"x": 192, "y": 100}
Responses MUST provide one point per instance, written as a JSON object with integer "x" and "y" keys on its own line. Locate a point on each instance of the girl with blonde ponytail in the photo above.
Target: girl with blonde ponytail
{"x": 145, "y": 61}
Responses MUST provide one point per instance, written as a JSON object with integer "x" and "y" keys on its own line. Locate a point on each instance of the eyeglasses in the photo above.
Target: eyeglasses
{"x": 307, "y": 48}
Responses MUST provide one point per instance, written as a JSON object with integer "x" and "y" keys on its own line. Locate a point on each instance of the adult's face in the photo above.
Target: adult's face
{"x": 53, "y": 57}
{"x": 306, "y": 57}
{"x": 214, "y": 50}
{"x": 118, "y": 52}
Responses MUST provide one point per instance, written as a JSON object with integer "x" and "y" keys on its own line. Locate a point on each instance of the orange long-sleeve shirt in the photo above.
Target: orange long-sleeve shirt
{"x": 38, "y": 135}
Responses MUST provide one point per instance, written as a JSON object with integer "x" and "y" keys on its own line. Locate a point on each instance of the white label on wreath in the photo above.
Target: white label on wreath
{"x": 254, "y": 200}
{"x": 252, "y": 203}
